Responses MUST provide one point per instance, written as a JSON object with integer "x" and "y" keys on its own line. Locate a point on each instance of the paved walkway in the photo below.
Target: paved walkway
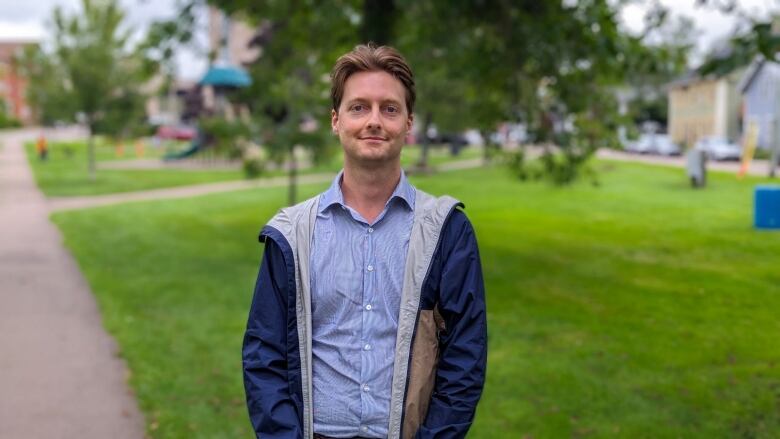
{"x": 70, "y": 203}
{"x": 60, "y": 376}
{"x": 757, "y": 167}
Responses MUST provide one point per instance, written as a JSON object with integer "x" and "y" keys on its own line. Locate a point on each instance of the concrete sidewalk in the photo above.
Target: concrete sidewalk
{"x": 56, "y": 204}
{"x": 60, "y": 376}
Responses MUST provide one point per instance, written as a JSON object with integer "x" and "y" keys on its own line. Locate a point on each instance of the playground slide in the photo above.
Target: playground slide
{"x": 195, "y": 146}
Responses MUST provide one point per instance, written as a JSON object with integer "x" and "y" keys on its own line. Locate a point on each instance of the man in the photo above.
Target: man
{"x": 368, "y": 318}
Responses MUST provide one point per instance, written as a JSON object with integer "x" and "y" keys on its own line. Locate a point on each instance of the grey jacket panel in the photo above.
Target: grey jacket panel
{"x": 296, "y": 223}
{"x": 429, "y": 216}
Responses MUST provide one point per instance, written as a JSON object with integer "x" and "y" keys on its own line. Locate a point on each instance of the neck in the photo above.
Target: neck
{"x": 367, "y": 189}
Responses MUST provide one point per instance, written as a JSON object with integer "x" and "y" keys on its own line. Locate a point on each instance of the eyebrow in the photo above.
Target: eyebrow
{"x": 361, "y": 100}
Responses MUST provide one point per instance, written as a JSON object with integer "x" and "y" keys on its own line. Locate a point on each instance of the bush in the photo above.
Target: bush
{"x": 226, "y": 136}
{"x": 8, "y": 122}
{"x": 254, "y": 161}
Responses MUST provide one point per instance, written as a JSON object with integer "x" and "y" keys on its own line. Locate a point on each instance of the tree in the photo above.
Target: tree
{"x": 552, "y": 66}
{"x": 753, "y": 37}
{"x": 289, "y": 92}
{"x": 90, "y": 73}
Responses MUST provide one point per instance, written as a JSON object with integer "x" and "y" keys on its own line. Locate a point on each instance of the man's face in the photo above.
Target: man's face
{"x": 372, "y": 120}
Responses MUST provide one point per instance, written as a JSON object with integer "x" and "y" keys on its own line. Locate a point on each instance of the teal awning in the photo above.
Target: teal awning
{"x": 226, "y": 76}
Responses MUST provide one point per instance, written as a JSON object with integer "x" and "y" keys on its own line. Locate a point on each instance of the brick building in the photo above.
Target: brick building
{"x": 12, "y": 83}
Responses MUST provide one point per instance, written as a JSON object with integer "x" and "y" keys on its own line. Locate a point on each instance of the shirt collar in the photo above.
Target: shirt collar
{"x": 403, "y": 191}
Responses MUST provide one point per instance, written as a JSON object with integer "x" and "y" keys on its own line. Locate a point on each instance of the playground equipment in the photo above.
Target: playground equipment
{"x": 197, "y": 144}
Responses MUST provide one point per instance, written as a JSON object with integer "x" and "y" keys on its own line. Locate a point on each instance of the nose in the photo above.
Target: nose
{"x": 374, "y": 121}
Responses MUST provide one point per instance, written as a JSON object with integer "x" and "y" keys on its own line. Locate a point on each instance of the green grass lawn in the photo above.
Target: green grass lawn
{"x": 638, "y": 309}
{"x": 65, "y": 172}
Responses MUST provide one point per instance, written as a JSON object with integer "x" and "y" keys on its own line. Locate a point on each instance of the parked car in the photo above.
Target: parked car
{"x": 176, "y": 132}
{"x": 718, "y": 148}
{"x": 643, "y": 145}
{"x": 653, "y": 144}
{"x": 510, "y": 133}
{"x": 663, "y": 145}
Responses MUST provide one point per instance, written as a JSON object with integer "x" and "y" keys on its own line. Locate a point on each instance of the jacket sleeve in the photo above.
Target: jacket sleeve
{"x": 271, "y": 409}
{"x": 460, "y": 374}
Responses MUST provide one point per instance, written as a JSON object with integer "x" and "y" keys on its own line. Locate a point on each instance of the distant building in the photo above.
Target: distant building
{"x": 760, "y": 88}
{"x": 13, "y": 85}
{"x": 180, "y": 105}
{"x": 229, "y": 39}
{"x": 702, "y": 106}
{"x": 230, "y": 53}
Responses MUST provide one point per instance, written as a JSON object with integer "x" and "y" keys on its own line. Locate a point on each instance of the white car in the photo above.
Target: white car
{"x": 643, "y": 145}
{"x": 663, "y": 145}
{"x": 653, "y": 144}
{"x": 718, "y": 148}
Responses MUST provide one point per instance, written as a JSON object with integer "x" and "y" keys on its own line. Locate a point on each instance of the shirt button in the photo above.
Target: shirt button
{"x": 364, "y": 428}
{"x": 370, "y": 230}
{"x": 366, "y": 388}
{"x": 367, "y": 347}
{"x": 368, "y": 307}
{"x": 370, "y": 268}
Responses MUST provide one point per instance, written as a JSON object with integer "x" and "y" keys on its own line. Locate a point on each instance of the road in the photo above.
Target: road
{"x": 757, "y": 167}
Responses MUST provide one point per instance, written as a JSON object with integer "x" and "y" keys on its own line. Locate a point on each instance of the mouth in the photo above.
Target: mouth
{"x": 373, "y": 138}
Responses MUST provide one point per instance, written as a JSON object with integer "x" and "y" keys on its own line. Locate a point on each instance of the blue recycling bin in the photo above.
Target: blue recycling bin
{"x": 767, "y": 207}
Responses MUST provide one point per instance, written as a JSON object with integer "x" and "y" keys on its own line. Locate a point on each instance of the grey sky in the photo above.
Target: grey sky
{"x": 28, "y": 18}
{"x": 711, "y": 24}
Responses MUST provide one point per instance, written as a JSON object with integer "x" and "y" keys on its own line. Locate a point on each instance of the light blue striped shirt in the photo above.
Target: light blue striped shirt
{"x": 357, "y": 272}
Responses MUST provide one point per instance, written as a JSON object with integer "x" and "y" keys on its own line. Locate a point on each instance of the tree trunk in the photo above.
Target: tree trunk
{"x": 487, "y": 146}
{"x": 379, "y": 18}
{"x": 90, "y": 153}
{"x": 425, "y": 145}
{"x": 293, "y": 174}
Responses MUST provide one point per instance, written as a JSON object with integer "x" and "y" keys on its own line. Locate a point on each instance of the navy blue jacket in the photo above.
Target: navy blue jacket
{"x": 441, "y": 356}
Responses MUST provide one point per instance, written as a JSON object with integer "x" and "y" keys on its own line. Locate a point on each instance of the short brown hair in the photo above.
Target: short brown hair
{"x": 370, "y": 58}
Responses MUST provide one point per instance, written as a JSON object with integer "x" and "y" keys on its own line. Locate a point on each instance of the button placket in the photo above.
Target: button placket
{"x": 367, "y": 317}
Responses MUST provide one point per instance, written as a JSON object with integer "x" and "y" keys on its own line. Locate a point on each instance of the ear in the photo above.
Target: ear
{"x": 334, "y": 121}
{"x": 409, "y": 122}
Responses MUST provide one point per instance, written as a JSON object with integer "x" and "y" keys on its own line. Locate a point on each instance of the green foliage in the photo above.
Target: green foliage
{"x": 164, "y": 38}
{"x": 101, "y": 74}
{"x": 543, "y": 64}
{"x": 253, "y": 161}
{"x": 227, "y": 137}
{"x": 477, "y": 64}
{"x": 90, "y": 72}
{"x": 289, "y": 90}
{"x": 47, "y": 93}
{"x": 759, "y": 37}
{"x": 610, "y": 313}
{"x": 6, "y": 121}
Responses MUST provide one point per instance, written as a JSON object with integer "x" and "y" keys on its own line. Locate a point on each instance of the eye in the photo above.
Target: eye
{"x": 392, "y": 109}
{"x": 357, "y": 108}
